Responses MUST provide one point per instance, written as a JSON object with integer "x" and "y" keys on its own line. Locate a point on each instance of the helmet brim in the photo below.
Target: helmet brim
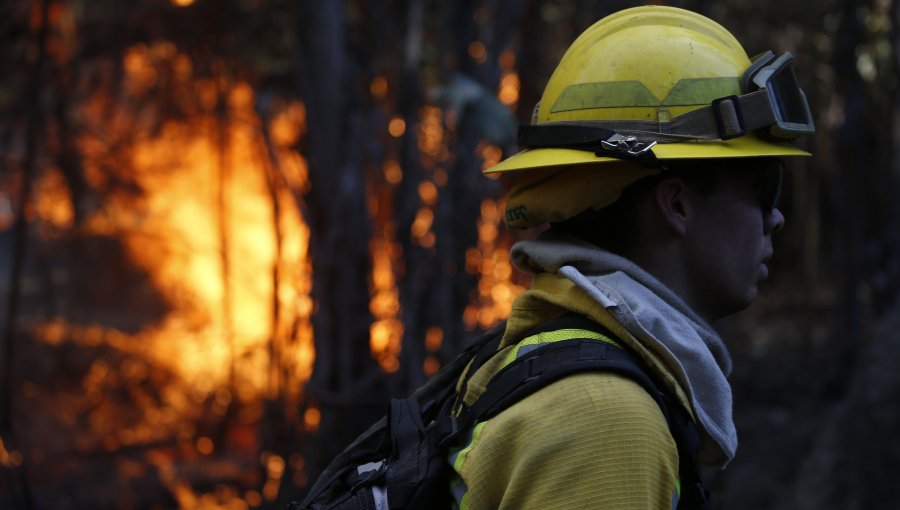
{"x": 744, "y": 147}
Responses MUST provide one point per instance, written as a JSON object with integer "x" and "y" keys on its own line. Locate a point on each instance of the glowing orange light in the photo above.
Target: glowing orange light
{"x": 380, "y": 337}
{"x": 431, "y": 133}
{"x": 393, "y": 173}
{"x": 241, "y": 96}
{"x": 53, "y": 204}
{"x": 486, "y": 318}
{"x": 500, "y": 293}
{"x": 253, "y": 498}
{"x": 183, "y": 67}
{"x": 384, "y": 303}
{"x": 187, "y": 267}
{"x": 434, "y": 337}
{"x": 490, "y": 260}
{"x": 477, "y": 51}
{"x": 379, "y": 87}
{"x": 288, "y": 124}
{"x": 509, "y": 88}
{"x": 422, "y": 223}
{"x": 171, "y": 234}
{"x": 470, "y": 317}
{"x": 386, "y": 332}
{"x": 428, "y": 192}
{"x": 205, "y": 445}
{"x": 270, "y": 490}
{"x": 397, "y": 126}
{"x": 428, "y": 240}
{"x": 491, "y": 154}
{"x": 431, "y": 365}
{"x": 9, "y": 458}
{"x": 182, "y": 3}
{"x": 311, "y": 418}
{"x": 275, "y": 466}
{"x": 391, "y": 365}
{"x": 140, "y": 72}
{"x": 274, "y": 471}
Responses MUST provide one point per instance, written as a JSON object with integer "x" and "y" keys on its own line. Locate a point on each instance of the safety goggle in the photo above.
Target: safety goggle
{"x": 763, "y": 175}
{"x": 790, "y": 113}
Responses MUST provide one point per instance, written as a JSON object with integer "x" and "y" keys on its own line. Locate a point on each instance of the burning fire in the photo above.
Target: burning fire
{"x": 490, "y": 260}
{"x": 509, "y": 80}
{"x": 497, "y": 289}
{"x": 386, "y": 332}
{"x": 206, "y": 234}
{"x": 217, "y": 230}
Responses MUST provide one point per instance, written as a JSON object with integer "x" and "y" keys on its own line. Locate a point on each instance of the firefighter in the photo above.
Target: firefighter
{"x": 655, "y": 157}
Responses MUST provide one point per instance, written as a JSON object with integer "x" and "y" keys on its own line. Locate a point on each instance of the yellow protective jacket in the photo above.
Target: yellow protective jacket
{"x": 594, "y": 440}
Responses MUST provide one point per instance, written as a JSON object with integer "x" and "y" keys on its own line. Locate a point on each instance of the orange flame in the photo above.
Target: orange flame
{"x": 510, "y": 86}
{"x": 175, "y": 232}
{"x": 490, "y": 260}
{"x": 225, "y": 290}
{"x": 9, "y": 458}
{"x": 52, "y": 205}
{"x": 386, "y": 332}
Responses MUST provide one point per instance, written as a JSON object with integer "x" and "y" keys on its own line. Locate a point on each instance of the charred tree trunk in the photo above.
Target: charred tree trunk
{"x": 413, "y": 283}
{"x": 531, "y": 49}
{"x": 275, "y": 387}
{"x": 66, "y": 153}
{"x": 853, "y": 159}
{"x": 276, "y": 432}
{"x": 479, "y": 118}
{"x": 223, "y": 208}
{"x": 344, "y": 373}
{"x": 434, "y": 289}
{"x": 33, "y": 131}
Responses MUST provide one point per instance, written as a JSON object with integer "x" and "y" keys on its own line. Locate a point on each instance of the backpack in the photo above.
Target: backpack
{"x": 401, "y": 461}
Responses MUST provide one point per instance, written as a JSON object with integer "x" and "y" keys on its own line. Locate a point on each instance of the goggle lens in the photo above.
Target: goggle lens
{"x": 775, "y": 74}
{"x": 785, "y": 93}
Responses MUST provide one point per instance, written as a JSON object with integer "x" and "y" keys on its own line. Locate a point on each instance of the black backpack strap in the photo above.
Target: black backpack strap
{"x": 693, "y": 495}
{"x": 485, "y": 350}
{"x": 449, "y": 423}
{"x": 409, "y": 462}
{"x": 547, "y": 364}
{"x": 554, "y": 361}
{"x": 405, "y": 418}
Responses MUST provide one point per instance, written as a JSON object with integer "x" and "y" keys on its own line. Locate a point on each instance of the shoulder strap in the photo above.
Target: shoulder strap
{"x": 552, "y": 362}
{"x": 548, "y": 364}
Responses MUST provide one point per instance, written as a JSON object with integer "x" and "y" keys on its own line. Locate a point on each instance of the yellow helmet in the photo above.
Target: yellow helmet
{"x": 658, "y": 83}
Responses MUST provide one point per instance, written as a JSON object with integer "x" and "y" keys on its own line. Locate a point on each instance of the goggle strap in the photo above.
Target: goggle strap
{"x": 725, "y": 118}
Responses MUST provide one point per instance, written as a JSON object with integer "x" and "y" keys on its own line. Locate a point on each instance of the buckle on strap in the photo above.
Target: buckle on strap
{"x": 729, "y": 117}
{"x": 627, "y": 147}
{"x": 600, "y": 140}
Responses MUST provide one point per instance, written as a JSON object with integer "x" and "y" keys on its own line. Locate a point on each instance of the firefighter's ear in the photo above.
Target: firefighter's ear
{"x": 670, "y": 201}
